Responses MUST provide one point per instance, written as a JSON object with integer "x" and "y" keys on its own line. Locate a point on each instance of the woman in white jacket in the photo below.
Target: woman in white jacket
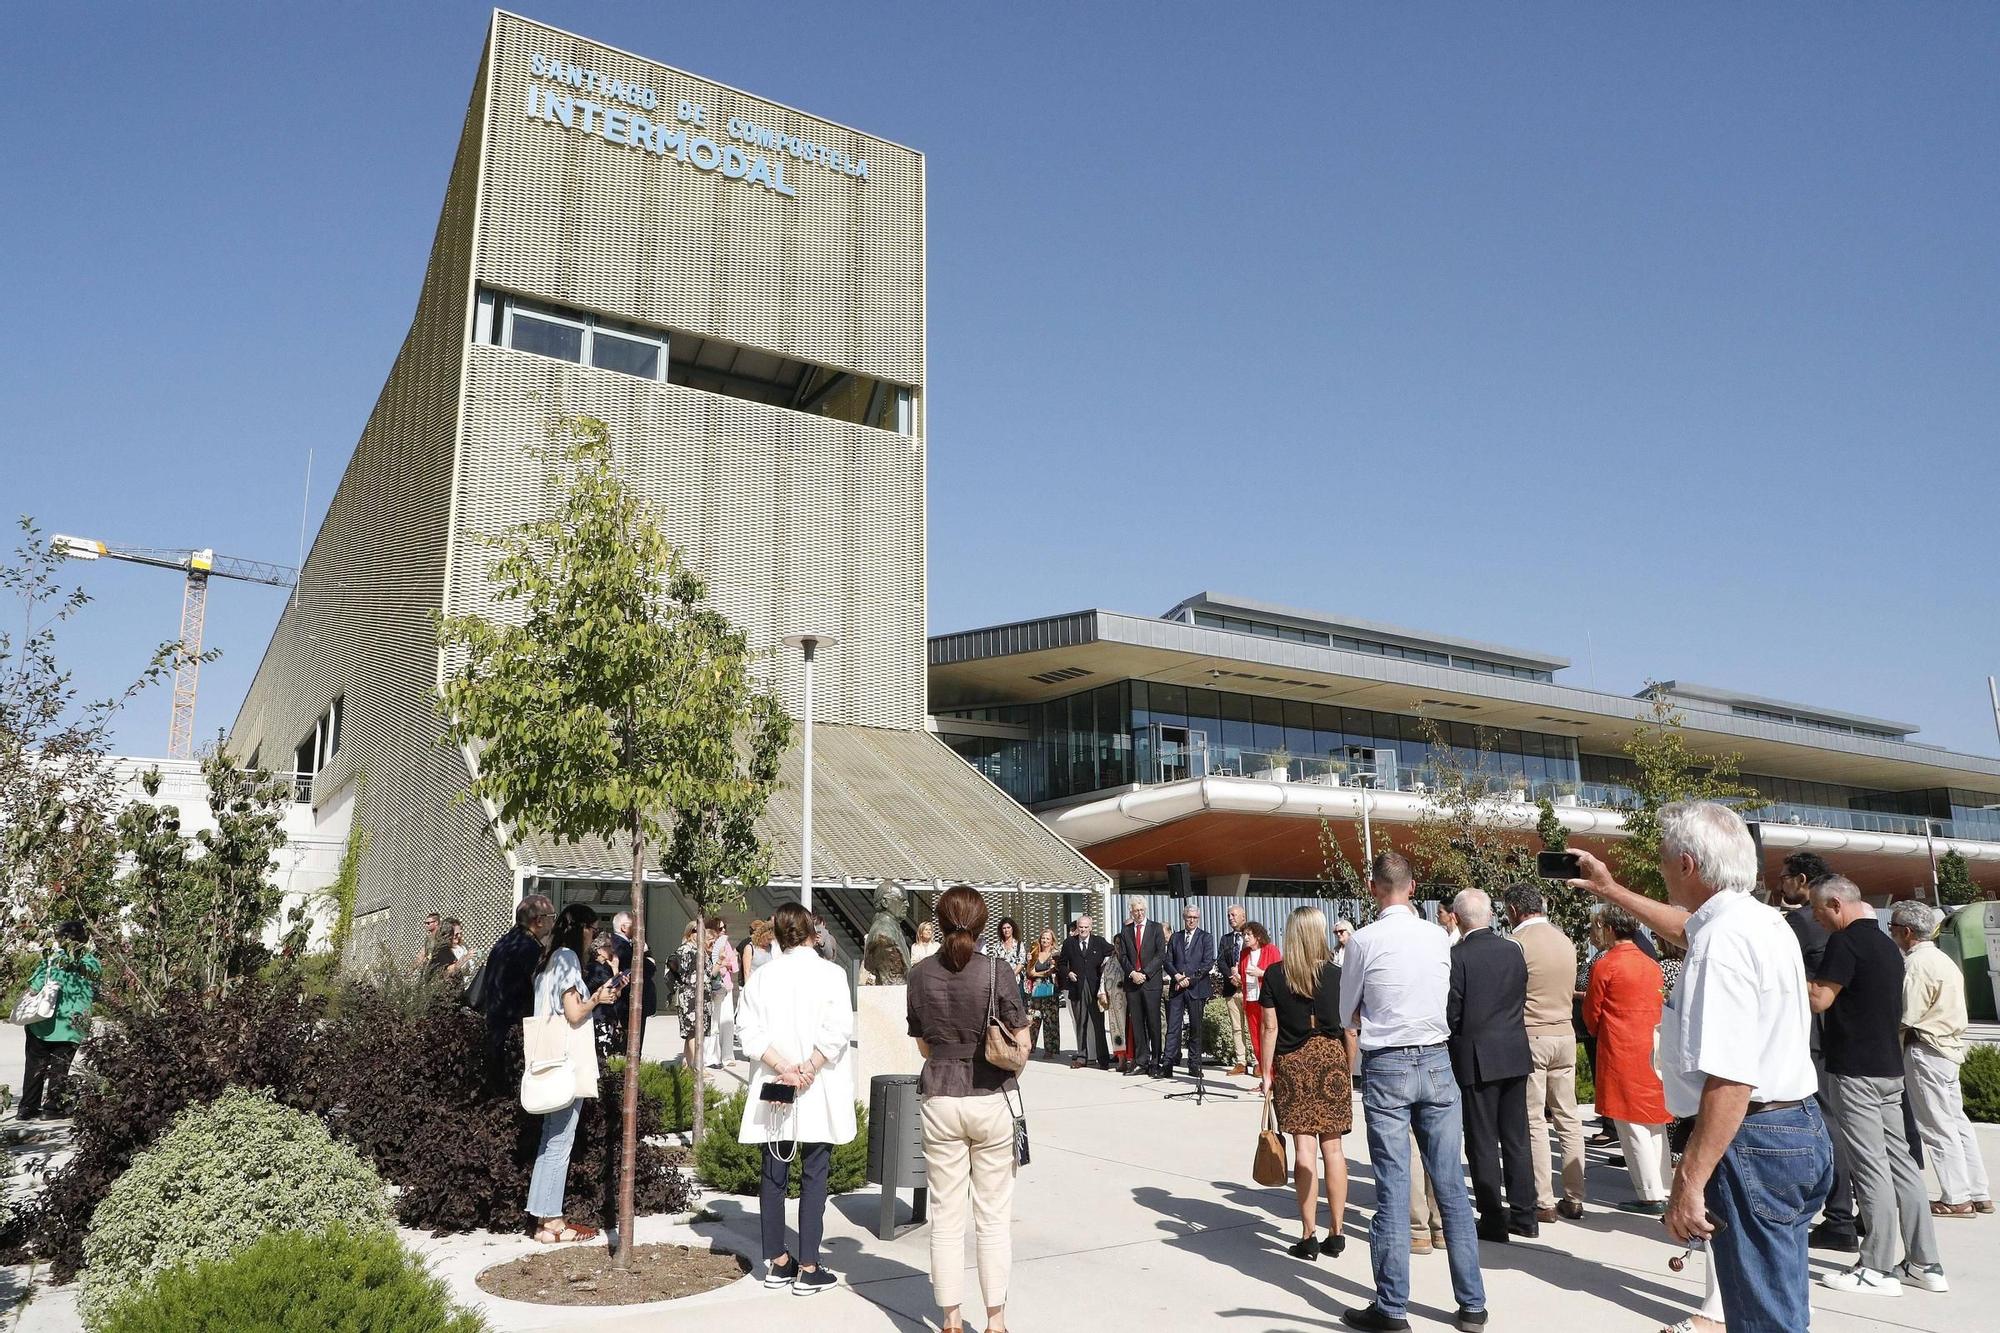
{"x": 796, "y": 1023}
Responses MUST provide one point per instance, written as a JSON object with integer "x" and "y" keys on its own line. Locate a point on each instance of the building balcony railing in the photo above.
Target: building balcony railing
{"x": 1172, "y": 763}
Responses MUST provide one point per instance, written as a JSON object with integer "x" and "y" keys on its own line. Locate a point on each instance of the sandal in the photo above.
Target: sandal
{"x": 1939, "y": 1208}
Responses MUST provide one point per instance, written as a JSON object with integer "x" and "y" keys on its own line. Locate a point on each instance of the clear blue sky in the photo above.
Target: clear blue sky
{"x": 1663, "y": 337}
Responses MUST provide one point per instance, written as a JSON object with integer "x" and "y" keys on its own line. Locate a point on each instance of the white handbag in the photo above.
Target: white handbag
{"x": 548, "y": 1080}
{"x": 36, "y": 1006}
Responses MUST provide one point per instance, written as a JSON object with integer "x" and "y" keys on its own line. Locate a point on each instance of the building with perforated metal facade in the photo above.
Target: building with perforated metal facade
{"x": 737, "y": 289}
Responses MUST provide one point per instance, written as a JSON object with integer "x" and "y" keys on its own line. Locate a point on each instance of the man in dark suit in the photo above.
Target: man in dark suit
{"x": 1491, "y": 1059}
{"x": 1081, "y": 966}
{"x": 1142, "y": 966}
{"x": 1190, "y": 958}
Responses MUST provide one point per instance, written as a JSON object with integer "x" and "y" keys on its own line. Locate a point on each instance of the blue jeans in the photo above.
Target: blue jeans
{"x": 1765, "y": 1192}
{"x": 550, "y": 1181}
{"x": 1411, "y": 1087}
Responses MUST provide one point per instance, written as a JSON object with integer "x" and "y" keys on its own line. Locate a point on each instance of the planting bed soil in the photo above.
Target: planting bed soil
{"x": 583, "y": 1275}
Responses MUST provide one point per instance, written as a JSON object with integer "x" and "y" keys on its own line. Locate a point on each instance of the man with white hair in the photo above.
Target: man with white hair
{"x": 1859, "y": 987}
{"x": 1142, "y": 959}
{"x": 1734, "y": 1055}
{"x": 621, "y": 940}
{"x": 1491, "y": 1061}
{"x": 1934, "y": 1022}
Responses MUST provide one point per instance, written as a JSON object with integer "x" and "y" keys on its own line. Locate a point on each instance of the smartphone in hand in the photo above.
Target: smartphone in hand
{"x": 1558, "y": 865}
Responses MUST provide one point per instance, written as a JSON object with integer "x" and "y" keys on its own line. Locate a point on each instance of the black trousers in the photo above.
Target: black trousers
{"x": 1183, "y": 1011}
{"x": 45, "y": 1087}
{"x": 1496, "y": 1149}
{"x": 1090, "y": 1043}
{"x": 814, "y": 1159}
{"x": 1142, "y": 1010}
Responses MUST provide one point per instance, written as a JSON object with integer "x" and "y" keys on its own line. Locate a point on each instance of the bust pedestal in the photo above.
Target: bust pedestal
{"x": 882, "y": 1031}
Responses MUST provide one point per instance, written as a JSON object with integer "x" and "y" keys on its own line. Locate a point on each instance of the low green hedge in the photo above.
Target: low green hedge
{"x": 1979, "y": 1077}
{"x": 292, "y": 1282}
{"x": 224, "y": 1176}
{"x": 738, "y": 1168}
{"x": 671, "y": 1085}
{"x": 1586, "y": 1082}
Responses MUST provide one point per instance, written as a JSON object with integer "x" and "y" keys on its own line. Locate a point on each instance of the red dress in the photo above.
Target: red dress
{"x": 1622, "y": 1007}
{"x": 1263, "y": 956}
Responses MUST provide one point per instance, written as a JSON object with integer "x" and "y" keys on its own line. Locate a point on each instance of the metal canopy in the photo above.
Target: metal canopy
{"x": 887, "y": 804}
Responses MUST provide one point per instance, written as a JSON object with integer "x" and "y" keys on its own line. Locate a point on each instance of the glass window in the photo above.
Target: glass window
{"x": 545, "y": 337}
{"x": 1169, "y": 704}
{"x": 627, "y": 356}
{"x": 1358, "y": 724}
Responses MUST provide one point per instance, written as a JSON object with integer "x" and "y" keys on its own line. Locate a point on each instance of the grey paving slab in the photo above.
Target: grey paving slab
{"x": 1138, "y": 1213}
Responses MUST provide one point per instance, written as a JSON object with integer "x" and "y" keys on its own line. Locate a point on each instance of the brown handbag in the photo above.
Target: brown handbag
{"x": 1269, "y": 1166}
{"x": 1006, "y": 1048}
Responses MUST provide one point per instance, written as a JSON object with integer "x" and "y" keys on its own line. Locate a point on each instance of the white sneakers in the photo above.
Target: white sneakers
{"x": 1928, "y": 1276}
{"x": 1864, "y": 1281}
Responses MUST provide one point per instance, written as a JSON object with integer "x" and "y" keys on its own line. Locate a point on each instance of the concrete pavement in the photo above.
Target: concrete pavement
{"x": 1138, "y": 1212}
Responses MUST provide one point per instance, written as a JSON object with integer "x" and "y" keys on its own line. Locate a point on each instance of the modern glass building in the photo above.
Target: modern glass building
{"x": 737, "y": 288}
{"x": 1220, "y": 733}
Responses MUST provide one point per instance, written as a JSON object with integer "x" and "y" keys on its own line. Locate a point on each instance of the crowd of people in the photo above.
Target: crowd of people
{"x": 1772, "y": 1075}
{"x": 1776, "y": 1076}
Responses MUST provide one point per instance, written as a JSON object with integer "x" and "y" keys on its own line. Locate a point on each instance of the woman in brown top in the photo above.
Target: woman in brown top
{"x": 1308, "y": 1058}
{"x": 968, "y": 1129}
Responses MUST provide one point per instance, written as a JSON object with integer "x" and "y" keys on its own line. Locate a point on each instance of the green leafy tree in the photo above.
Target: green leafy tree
{"x": 342, "y": 892}
{"x": 1954, "y": 881}
{"x": 1568, "y": 909}
{"x": 618, "y": 706}
{"x": 59, "y": 787}
{"x": 1666, "y": 771}
{"x": 1342, "y": 877}
{"x": 1469, "y": 833}
{"x": 1549, "y": 827}
{"x": 193, "y": 910}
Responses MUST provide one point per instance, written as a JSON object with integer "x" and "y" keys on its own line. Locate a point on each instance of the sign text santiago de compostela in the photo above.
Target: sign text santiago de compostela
{"x": 623, "y": 123}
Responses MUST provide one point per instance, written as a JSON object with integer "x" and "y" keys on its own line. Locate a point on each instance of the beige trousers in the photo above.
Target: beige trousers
{"x": 1647, "y": 1159}
{"x": 1552, "y": 1089}
{"x": 1239, "y": 1034}
{"x": 969, "y": 1162}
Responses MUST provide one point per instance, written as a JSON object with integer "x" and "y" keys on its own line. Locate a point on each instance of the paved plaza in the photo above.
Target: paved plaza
{"x": 1138, "y": 1212}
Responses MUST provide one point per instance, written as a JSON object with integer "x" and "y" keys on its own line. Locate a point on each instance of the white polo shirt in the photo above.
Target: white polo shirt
{"x": 1396, "y": 981}
{"x": 1740, "y": 1011}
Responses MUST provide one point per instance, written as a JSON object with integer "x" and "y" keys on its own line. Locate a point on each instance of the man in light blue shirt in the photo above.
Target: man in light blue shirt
{"x": 1394, "y": 987}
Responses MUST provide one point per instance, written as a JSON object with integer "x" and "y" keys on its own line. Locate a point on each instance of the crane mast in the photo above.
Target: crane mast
{"x": 198, "y": 566}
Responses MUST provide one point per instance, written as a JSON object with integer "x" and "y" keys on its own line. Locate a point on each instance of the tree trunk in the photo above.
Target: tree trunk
{"x": 700, "y": 984}
{"x": 635, "y": 1038}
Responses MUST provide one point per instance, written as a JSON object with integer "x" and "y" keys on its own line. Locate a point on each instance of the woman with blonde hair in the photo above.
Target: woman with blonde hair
{"x": 926, "y": 944}
{"x": 1308, "y": 1059}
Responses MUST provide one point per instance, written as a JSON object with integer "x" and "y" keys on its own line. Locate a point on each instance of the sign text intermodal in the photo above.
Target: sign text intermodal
{"x": 620, "y": 126}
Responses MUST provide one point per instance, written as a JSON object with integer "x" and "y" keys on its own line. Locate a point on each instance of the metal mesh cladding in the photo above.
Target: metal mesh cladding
{"x": 795, "y": 521}
{"x": 361, "y": 627}
{"x": 833, "y": 275}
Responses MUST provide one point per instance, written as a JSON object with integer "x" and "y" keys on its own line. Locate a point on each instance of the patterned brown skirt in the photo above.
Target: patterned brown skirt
{"x": 1313, "y": 1090}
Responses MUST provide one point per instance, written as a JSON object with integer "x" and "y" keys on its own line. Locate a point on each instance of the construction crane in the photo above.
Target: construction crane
{"x": 199, "y": 566}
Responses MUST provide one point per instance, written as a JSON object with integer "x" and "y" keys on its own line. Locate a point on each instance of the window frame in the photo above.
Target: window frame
{"x": 587, "y": 326}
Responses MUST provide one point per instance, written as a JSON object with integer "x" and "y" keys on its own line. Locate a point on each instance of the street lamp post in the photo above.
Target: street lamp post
{"x": 1367, "y": 834}
{"x": 808, "y": 644}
